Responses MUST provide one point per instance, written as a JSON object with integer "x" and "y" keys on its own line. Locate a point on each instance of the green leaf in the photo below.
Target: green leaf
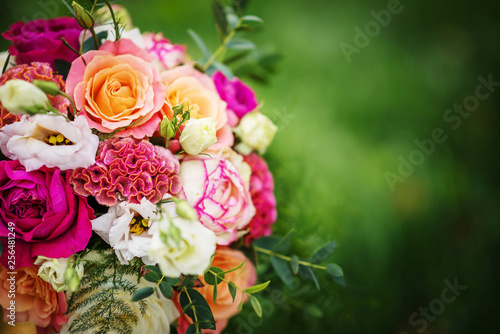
{"x": 252, "y": 18}
{"x": 240, "y": 5}
{"x": 152, "y": 276}
{"x": 198, "y": 303}
{"x": 142, "y": 294}
{"x": 283, "y": 270}
{"x": 187, "y": 281}
{"x": 256, "y": 306}
{"x": 214, "y": 279}
{"x": 257, "y": 288}
{"x": 267, "y": 242}
{"x": 340, "y": 280}
{"x": 232, "y": 19}
{"x": 166, "y": 290}
{"x": 89, "y": 45}
{"x": 285, "y": 242}
{"x": 308, "y": 272}
{"x": 220, "y": 17}
{"x": 192, "y": 329}
{"x": 201, "y": 45}
{"x": 294, "y": 264}
{"x": 324, "y": 253}
{"x": 232, "y": 290}
{"x": 62, "y": 67}
{"x": 236, "y": 268}
{"x": 172, "y": 281}
{"x": 240, "y": 44}
{"x": 217, "y": 66}
{"x": 314, "y": 311}
{"x": 334, "y": 270}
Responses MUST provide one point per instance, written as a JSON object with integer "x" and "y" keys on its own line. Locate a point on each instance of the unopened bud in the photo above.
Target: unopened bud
{"x": 72, "y": 279}
{"x": 82, "y": 16}
{"x": 48, "y": 87}
{"x": 186, "y": 211}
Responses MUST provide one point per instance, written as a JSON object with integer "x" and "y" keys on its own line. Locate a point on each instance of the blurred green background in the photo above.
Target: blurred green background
{"x": 343, "y": 126}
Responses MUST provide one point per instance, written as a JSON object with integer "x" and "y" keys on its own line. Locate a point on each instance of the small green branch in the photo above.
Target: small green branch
{"x": 222, "y": 47}
{"x": 287, "y": 258}
{"x": 196, "y": 323}
{"x": 115, "y": 22}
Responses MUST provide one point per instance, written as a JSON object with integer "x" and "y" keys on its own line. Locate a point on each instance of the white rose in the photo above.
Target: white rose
{"x": 256, "y": 132}
{"x": 198, "y": 135}
{"x": 22, "y": 97}
{"x": 181, "y": 246}
{"x": 52, "y": 271}
{"x": 34, "y": 141}
{"x": 115, "y": 228}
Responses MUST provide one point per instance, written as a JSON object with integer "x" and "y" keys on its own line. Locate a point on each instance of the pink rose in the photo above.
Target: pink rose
{"x": 40, "y": 209}
{"x": 217, "y": 188}
{"x": 165, "y": 54}
{"x": 239, "y": 97}
{"x": 116, "y": 88}
{"x": 41, "y": 40}
{"x": 36, "y": 300}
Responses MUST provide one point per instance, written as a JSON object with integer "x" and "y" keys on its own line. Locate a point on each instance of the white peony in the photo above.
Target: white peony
{"x": 115, "y": 228}
{"x": 52, "y": 271}
{"x": 198, "y": 135}
{"x": 22, "y": 97}
{"x": 256, "y": 132}
{"x": 181, "y": 246}
{"x": 51, "y": 141}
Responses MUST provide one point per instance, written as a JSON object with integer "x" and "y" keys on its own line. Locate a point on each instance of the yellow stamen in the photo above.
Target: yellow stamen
{"x": 52, "y": 140}
{"x": 60, "y": 138}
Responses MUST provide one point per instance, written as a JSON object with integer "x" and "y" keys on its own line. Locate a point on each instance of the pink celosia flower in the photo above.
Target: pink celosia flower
{"x": 130, "y": 167}
{"x": 165, "y": 54}
{"x": 217, "y": 188}
{"x": 262, "y": 191}
{"x": 34, "y": 71}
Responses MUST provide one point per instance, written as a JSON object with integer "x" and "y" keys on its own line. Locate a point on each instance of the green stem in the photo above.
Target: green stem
{"x": 222, "y": 47}
{"x": 94, "y": 36}
{"x": 224, "y": 280}
{"x": 66, "y": 44}
{"x": 117, "y": 27}
{"x": 75, "y": 111}
{"x": 287, "y": 258}
{"x": 196, "y": 323}
{"x": 58, "y": 113}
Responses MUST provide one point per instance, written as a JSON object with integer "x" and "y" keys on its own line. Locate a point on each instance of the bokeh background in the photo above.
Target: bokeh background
{"x": 343, "y": 126}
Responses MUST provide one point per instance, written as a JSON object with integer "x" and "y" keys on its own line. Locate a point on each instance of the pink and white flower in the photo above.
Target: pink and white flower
{"x": 165, "y": 54}
{"x": 29, "y": 142}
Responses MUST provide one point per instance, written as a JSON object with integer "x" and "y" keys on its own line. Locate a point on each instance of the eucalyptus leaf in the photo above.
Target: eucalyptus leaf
{"x": 334, "y": 270}
{"x": 240, "y": 44}
{"x": 256, "y": 306}
{"x": 283, "y": 270}
{"x": 142, "y": 294}
{"x": 257, "y": 288}
{"x": 232, "y": 290}
{"x": 324, "y": 252}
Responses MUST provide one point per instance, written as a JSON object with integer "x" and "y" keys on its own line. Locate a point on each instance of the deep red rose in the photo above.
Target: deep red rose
{"x": 41, "y": 40}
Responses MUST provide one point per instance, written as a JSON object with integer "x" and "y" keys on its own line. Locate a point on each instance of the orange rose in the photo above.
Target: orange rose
{"x": 224, "y": 308}
{"x": 35, "y": 300}
{"x": 194, "y": 90}
{"x": 116, "y": 87}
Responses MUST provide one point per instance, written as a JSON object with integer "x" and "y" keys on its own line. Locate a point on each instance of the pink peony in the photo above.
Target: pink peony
{"x": 262, "y": 191}
{"x": 34, "y": 71}
{"x": 217, "y": 188}
{"x": 41, "y": 40}
{"x": 130, "y": 167}
{"x": 40, "y": 208}
{"x": 117, "y": 89}
{"x": 36, "y": 300}
{"x": 165, "y": 54}
{"x": 239, "y": 97}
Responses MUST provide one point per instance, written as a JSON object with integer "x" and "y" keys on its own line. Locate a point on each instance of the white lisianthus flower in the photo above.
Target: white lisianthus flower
{"x": 22, "y": 97}
{"x": 181, "y": 246}
{"x": 52, "y": 271}
{"x": 128, "y": 229}
{"x": 256, "y": 132}
{"x": 198, "y": 135}
{"x": 51, "y": 141}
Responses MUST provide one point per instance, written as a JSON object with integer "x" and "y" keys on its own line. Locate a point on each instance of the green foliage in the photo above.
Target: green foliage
{"x": 196, "y": 307}
{"x": 97, "y": 301}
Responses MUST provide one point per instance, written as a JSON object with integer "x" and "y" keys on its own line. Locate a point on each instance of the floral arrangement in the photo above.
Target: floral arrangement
{"x": 133, "y": 192}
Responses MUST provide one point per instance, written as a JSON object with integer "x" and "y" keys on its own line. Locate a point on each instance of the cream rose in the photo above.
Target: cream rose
{"x": 198, "y": 135}
{"x": 256, "y": 132}
{"x": 52, "y": 271}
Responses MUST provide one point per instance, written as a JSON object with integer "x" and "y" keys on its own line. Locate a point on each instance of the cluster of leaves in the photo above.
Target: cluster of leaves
{"x": 241, "y": 53}
{"x": 288, "y": 267}
{"x": 215, "y": 275}
{"x": 100, "y": 308}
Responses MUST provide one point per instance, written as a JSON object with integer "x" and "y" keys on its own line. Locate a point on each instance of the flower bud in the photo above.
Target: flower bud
{"x": 22, "y": 97}
{"x": 186, "y": 211}
{"x": 54, "y": 271}
{"x": 48, "y": 87}
{"x": 198, "y": 135}
{"x": 167, "y": 129}
{"x": 82, "y": 16}
{"x": 72, "y": 278}
{"x": 256, "y": 132}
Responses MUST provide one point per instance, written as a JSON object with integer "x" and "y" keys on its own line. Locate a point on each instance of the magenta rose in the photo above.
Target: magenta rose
{"x": 41, "y": 211}
{"x": 239, "y": 97}
{"x": 41, "y": 40}
{"x": 262, "y": 191}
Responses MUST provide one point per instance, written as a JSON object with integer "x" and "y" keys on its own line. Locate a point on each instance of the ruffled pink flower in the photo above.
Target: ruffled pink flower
{"x": 219, "y": 193}
{"x": 165, "y": 54}
{"x": 130, "y": 167}
{"x": 116, "y": 88}
{"x": 42, "y": 211}
{"x": 36, "y": 300}
{"x": 34, "y": 71}
{"x": 262, "y": 191}
{"x": 239, "y": 97}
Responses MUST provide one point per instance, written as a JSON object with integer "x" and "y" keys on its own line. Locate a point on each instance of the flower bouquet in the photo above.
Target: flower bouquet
{"x": 134, "y": 196}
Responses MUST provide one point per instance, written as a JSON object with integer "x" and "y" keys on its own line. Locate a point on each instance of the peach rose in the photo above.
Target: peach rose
{"x": 196, "y": 91}
{"x": 35, "y": 300}
{"x": 224, "y": 308}
{"x": 116, "y": 87}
